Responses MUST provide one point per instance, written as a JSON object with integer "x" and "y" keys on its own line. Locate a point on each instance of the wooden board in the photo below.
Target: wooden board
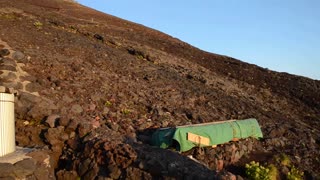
{"x": 198, "y": 139}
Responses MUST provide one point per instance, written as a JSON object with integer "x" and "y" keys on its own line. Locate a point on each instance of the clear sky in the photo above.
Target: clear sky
{"x": 282, "y": 35}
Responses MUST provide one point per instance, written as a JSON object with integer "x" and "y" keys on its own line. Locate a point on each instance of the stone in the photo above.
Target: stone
{"x": 67, "y": 99}
{"x": 4, "y": 52}
{"x": 52, "y": 120}
{"x": 220, "y": 165}
{"x": 84, "y": 129}
{"x": 239, "y": 177}
{"x": 2, "y": 89}
{"x": 33, "y": 87}
{"x": 72, "y": 125}
{"x": 96, "y": 97}
{"x": 226, "y": 176}
{"x": 54, "y": 136}
{"x": 92, "y": 107}
{"x": 73, "y": 143}
{"x": 76, "y": 108}
{"x": 43, "y": 108}
{"x": 8, "y": 178}
{"x": 105, "y": 110}
{"x": 95, "y": 122}
{"x": 84, "y": 167}
{"x": 28, "y": 78}
{"x": 92, "y": 173}
{"x": 237, "y": 156}
{"x": 8, "y": 68}
{"x": 6, "y": 169}
{"x": 250, "y": 146}
{"x": 28, "y": 98}
{"x": 22, "y": 105}
{"x": 67, "y": 175}
{"x": 114, "y": 126}
{"x": 18, "y": 55}
{"x": 115, "y": 172}
{"x": 11, "y": 76}
{"x": 9, "y": 62}
{"x": 98, "y": 37}
{"x": 63, "y": 121}
{"x": 133, "y": 173}
{"x": 44, "y": 172}
{"x": 24, "y": 168}
{"x": 39, "y": 156}
{"x": 277, "y": 132}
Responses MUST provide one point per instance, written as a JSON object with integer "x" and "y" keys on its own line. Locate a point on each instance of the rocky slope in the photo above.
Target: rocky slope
{"x": 90, "y": 86}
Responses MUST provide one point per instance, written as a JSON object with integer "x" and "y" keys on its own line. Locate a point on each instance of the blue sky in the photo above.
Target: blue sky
{"x": 281, "y": 35}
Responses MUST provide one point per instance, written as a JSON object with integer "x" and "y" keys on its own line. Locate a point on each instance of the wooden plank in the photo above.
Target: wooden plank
{"x": 198, "y": 139}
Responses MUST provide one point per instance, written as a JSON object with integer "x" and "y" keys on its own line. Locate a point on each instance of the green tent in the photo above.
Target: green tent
{"x": 207, "y": 134}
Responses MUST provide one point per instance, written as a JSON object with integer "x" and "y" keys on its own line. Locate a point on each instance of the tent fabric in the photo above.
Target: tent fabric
{"x": 218, "y": 133}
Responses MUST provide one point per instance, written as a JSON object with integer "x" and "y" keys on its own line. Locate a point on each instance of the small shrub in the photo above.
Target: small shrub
{"x": 125, "y": 111}
{"x": 273, "y": 172}
{"x": 255, "y": 171}
{"x": 294, "y": 174}
{"x": 108, "y": 104}
{"x": 38, "y": 24}
{"x": 284, "y": 160}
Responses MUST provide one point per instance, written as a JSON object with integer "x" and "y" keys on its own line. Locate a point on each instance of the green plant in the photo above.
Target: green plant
{"x": 139, "y": 56}
{"x": 108, "y": 103}
{"x": 38, "y": 24}
{"x": 294, "y": 174}
{"x": 125, "y": 111}
{"x": 284, "y": 160}
{"x": 255, "y": 171}
{"x": 273, "y": 172}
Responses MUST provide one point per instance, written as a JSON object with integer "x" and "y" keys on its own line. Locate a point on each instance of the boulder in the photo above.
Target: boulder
{"x": 52, "y": 120}
{"x": 4, "y": 52}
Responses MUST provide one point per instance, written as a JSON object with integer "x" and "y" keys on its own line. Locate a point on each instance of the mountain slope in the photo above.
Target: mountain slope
{"x": 101, "y": 74}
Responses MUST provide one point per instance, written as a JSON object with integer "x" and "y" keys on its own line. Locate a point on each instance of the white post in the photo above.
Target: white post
{"x": 7, "y": 129}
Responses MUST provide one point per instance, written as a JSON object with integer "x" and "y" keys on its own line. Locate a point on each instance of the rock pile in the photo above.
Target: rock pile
{"x": 27, "y": 164}
{"x": 223, "y": 155}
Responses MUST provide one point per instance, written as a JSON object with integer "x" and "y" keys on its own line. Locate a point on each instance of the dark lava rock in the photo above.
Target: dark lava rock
{"x": 19, "y": 56}
{"x": 4, "y": 52}
{"x": 24, "y": 168}
{"x": 52, "y": 120}
{"x": 6, "y": 170}
{"x": 64, "y": 121}
{"x": 98, "y": 37}
{"x": 25, "y": 101}
{"x": 10, "y": 77}
{"x": 72, "y": 125}
{"x": 8, "y": 68}
{"x": 84, "y": 129}
{"x": 55, "y": 136}
{"x": 8, "y": 61}
{"x": 67, "y": 175}
{"x": 28, "y": 136}
{"x": 33, "y": 87}
{"x": 42, "y": 109}
{"x": 77, "y": 109}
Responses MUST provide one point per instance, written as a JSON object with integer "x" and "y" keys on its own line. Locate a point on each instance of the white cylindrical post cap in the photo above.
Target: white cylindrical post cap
{"x": 7, "y": 124}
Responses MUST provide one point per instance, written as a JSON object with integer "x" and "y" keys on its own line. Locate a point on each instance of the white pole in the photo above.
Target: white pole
{"x": 7, "y": 129}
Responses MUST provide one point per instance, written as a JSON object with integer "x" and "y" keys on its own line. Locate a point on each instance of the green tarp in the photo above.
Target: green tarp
{"x": 217, "y": 133}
